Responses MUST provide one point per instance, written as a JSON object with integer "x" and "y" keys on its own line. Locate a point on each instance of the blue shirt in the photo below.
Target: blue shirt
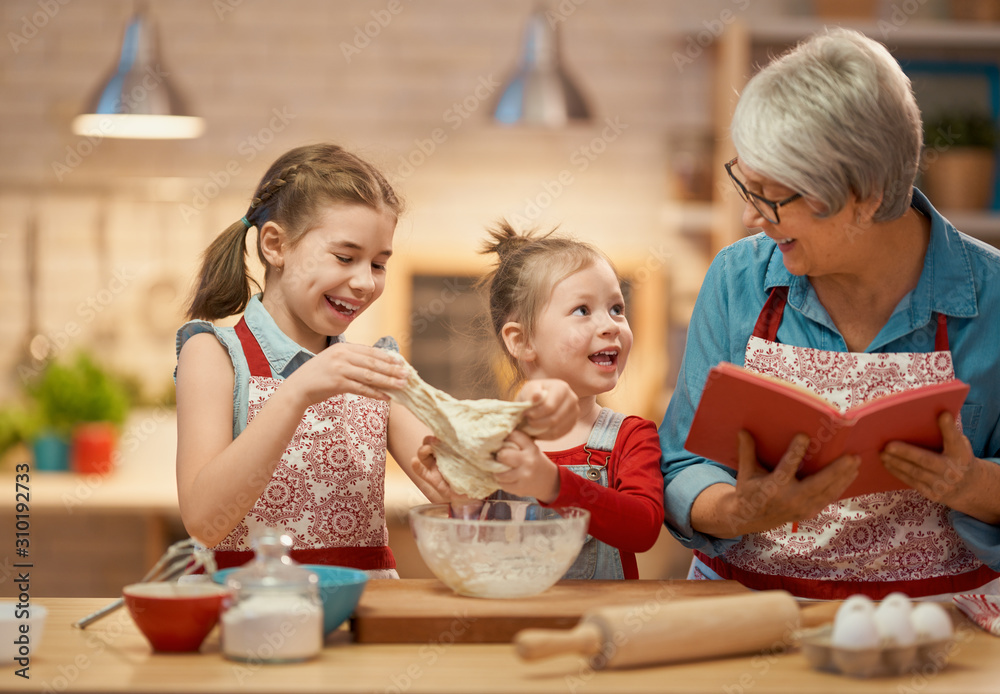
{"x": 284, "y": 355}
{"x": 960, "y": 279}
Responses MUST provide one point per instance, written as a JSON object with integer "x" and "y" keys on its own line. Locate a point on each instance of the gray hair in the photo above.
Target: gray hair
{"x": 834, "y": 115}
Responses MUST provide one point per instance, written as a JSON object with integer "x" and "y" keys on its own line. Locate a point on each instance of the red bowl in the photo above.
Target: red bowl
{"x": 175, "y": 617}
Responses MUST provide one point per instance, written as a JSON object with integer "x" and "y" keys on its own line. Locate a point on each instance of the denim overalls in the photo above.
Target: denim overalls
{"x": 597, "y": 560}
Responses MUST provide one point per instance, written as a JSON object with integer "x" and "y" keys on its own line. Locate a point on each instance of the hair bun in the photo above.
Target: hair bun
{"x": 505, "y": 240}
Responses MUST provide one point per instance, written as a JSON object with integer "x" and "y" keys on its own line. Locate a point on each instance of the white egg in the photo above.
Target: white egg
{"x": 892, "y": 619}
{"x": 854, "y": 628}
{"x": 858, "y": 601}
{"x": 931, "y": 621}
{"x": 855, "y": 603}
{"x": 897, "y": 599}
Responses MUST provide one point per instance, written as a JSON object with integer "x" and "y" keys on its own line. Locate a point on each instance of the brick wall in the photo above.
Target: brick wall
{"x": 118, "y": 225}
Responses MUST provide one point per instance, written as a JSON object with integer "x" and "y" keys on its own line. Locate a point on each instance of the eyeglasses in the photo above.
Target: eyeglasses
{"x": 768, "y": 209}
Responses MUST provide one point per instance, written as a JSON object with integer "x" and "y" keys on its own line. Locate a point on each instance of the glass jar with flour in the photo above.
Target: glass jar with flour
{"x": 274, "y": 614}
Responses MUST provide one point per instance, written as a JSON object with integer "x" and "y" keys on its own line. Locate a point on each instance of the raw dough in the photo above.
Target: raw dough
{"x": 469, "y": 431}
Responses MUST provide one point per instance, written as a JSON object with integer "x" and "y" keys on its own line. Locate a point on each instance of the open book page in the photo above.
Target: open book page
{"x": 792, "y": 388}
{"x": 774, "y": 411}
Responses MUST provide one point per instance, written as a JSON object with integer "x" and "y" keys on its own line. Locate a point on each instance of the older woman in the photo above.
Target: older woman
{"x": 856, "y": 284}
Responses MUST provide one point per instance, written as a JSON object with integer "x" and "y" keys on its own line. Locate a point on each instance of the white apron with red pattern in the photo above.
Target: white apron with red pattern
{"x": 874, "y": 543}
{"x": 327, "y": 492}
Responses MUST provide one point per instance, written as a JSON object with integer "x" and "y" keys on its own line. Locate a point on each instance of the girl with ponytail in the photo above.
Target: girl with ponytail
{"x": 280, "y": 421}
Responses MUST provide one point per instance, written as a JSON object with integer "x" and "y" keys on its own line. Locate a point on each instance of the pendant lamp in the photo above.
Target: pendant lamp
{"x": 541, "y": 92}
{"x": 137, "y": 100}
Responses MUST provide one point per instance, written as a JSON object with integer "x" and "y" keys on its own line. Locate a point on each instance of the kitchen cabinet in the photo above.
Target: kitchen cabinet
{"x": 745, "y": 44}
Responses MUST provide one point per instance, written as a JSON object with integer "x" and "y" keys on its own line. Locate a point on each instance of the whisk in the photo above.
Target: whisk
{"x": 180, "y": 559}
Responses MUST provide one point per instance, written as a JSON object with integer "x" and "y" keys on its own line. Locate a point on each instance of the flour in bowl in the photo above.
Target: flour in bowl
{"x": 494, "y": 560}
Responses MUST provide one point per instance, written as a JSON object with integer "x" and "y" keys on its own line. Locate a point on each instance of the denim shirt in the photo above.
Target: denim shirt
{"x": 960, "y": 279}
{"x": 283, "y": 354}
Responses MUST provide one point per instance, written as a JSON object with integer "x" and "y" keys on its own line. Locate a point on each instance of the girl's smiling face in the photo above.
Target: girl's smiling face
{"x": 581, "y": 335}
{"x": 319, "y": 285}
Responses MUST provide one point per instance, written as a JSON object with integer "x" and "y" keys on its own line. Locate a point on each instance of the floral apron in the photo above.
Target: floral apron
{"x": 327, "y": 492}
{"x": 874, "y": 543}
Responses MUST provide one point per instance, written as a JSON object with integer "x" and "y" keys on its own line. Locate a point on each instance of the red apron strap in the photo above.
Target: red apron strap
{"x": 364, "y": 558}
{"x": 770, "y": 316}
{"x": 259, "y": 366}
{"x": 839, "y": 590}
{"x": 941, "y": 336}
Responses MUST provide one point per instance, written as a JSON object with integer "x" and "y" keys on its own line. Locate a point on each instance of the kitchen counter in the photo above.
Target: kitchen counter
{"x": 144, "y": 478}
{"x": 93, "y": 534}
{"x": 112, "y": 656}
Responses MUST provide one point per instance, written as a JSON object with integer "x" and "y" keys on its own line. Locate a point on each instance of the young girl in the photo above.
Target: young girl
{"x": 557, "y": 308}
{"x": 280, "y": 421}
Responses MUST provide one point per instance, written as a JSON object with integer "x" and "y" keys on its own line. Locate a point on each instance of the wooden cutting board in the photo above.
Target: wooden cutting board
{"x": 427, "y": 611}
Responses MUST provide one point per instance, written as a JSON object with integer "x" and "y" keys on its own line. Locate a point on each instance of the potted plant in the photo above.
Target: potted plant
{"x": 14, "y": 428}
{"x": 959, "y": 160}
{"x": 81, "y": 403}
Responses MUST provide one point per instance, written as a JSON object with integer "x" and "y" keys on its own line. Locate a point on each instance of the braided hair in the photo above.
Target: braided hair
{"x": 294, "y": 192}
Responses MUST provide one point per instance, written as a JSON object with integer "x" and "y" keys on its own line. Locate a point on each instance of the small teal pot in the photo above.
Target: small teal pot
{"x": 51, "y": 452}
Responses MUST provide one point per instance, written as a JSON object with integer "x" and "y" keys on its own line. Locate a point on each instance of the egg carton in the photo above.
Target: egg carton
{"x": 887, "y": 661}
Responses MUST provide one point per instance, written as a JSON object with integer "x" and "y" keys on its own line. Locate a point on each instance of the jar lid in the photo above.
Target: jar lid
{"x": 272, "y": 570}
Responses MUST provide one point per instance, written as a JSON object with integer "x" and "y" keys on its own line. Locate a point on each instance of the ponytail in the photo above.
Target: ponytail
{"x": 225, "y": 286}
{"x": 292, "y": 193}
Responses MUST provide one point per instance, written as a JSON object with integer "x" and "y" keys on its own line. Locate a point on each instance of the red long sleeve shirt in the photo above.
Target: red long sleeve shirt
{"x": 628, "y": 513}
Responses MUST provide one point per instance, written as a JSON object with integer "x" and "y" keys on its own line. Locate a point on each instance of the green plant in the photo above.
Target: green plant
{"x": 961, "y": 130}
{"x": 67, "y": 394}
{"x": 14, "y": 427}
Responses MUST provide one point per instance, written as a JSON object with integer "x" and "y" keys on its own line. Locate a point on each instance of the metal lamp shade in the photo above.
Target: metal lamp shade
{"x": 541, "y": 92}
{"x": 137, "y": 99}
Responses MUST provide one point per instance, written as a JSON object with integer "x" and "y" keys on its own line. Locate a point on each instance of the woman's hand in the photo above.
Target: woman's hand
{"x": 763, "y": 500}
{"x": 529, "y": 471}
{"x": 555, "y": 408}
{"x": 955, "y": 477}
{"x": 348, "y": 368}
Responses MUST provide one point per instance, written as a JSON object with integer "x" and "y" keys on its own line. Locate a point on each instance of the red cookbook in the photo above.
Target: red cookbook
{"x": 774, "y": 411}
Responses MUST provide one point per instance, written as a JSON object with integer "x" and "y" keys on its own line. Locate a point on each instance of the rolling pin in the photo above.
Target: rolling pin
{"x": 665, "y": 632}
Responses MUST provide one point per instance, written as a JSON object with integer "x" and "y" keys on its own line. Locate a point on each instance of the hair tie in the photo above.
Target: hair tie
{"x": 246, "y": 223}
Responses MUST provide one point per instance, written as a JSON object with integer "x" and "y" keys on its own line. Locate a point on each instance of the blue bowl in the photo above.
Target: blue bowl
{"x": 340, "y": 590}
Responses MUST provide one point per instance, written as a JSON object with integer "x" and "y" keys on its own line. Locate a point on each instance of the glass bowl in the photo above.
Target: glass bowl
{"x": 502, "y": 549}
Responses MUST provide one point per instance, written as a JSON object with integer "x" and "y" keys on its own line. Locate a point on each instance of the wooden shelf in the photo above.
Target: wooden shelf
{"x": 745, "y": 42}
{"x": 983, "y": 225}
{"x": 920, "y": 34}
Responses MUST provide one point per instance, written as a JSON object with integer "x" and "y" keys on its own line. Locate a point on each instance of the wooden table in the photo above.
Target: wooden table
{"x": 111, "y": 656}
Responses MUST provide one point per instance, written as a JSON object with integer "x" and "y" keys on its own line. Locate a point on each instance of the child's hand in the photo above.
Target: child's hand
{"x": 425, "y": 465}
{"x": 555, "y": 408}
{"x": 530, "y": 472}
{"x": 348, "y": 368}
